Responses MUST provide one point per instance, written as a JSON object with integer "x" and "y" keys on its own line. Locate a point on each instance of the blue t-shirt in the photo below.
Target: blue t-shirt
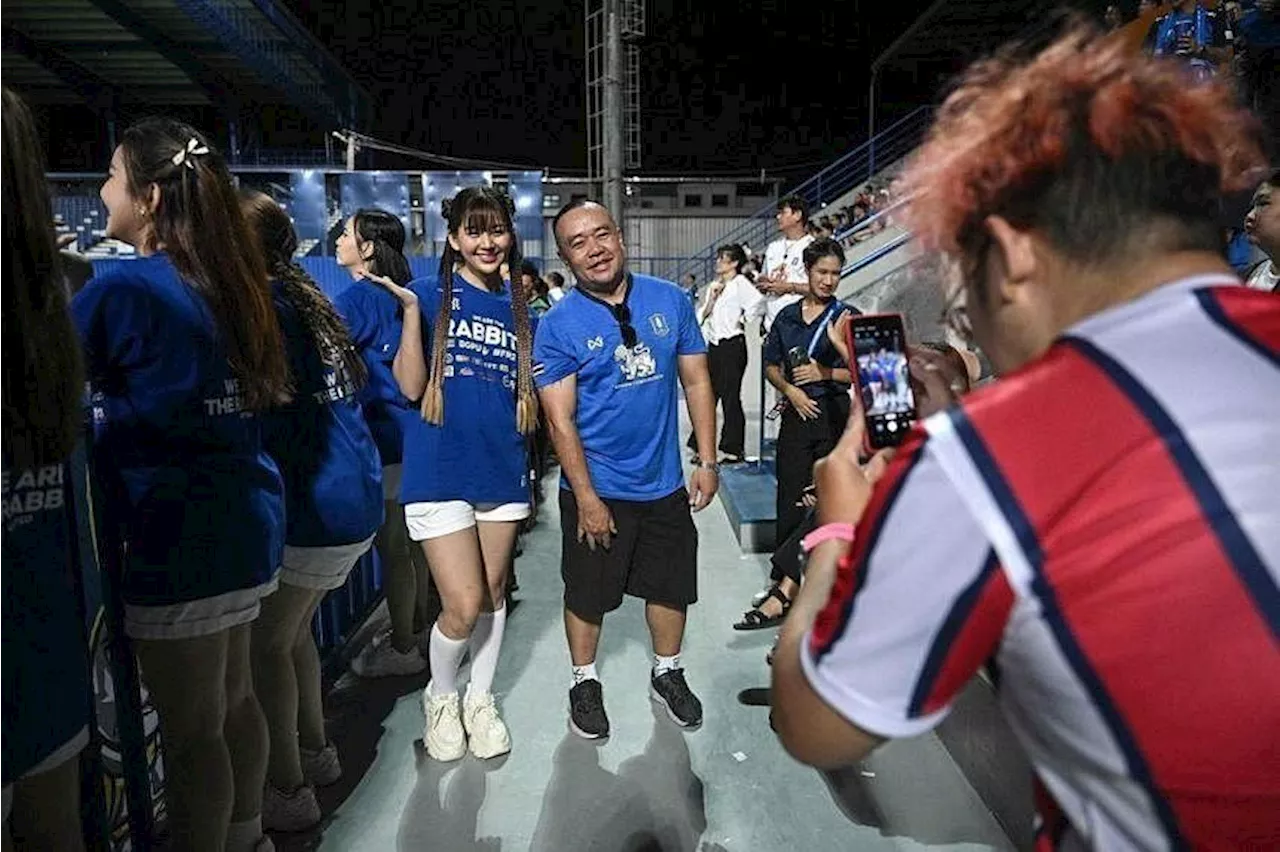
{"x": 46, "y": 673}
{"x": 200, "y": 500}
{"x": 627, "y": 398}
{"x": 477, "y": 454}
{"x": 790, "y": 331}
{"x": 332, "y": 473}
{"x": 375, "y": 317}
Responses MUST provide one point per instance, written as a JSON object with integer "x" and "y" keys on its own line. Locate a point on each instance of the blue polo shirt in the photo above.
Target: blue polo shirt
{"x": 46, "y": 673}
{"x": 627, "y": 398}
{"x": 477, "y": 454}
{"x": 790, "y": 331}
{"x": 374, "y": 317}
{"x": 332, "y": 474}
{"x": 201, "y": 500}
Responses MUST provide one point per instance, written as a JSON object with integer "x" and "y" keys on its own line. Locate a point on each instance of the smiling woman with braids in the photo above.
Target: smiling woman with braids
{"x": 182, "y": 349}
{"x": 466, "y": 482}
{"x": 333, "y": 507}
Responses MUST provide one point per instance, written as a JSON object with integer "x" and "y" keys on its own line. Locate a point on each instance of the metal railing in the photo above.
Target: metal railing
{"x": 841, "y": 176}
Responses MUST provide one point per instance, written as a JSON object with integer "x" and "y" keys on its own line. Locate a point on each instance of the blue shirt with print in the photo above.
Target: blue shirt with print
{"x": 201, "y": 501}
{"x": 45, "y": 673}
{"x": 627, "y": 415}
{"x": 332, "y": 474}
{"x": 477, "y": 454}
{"x": 374, "y": 317}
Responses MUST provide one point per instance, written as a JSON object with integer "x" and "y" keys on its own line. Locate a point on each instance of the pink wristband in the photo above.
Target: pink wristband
{"x": 826, "y": 532}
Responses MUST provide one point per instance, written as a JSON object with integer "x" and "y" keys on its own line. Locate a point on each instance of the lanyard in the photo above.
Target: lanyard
{"x": 822, "y": 327}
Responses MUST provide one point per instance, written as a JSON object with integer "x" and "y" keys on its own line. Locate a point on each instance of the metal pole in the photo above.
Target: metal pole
{"x": 613, "y": 116}
{"x": 351, "y": 152}
{"x": 871, "y": 122}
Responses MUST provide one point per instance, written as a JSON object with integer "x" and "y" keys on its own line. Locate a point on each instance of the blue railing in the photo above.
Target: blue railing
{"x": 881, "y": 252}
{"x": 850, "y": 170}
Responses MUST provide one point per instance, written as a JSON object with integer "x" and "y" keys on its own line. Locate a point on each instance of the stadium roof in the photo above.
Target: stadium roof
{"x": 966, "y": 29}
{"x": 230, "y": 54}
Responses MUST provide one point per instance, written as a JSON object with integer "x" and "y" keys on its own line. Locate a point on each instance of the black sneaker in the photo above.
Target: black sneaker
{"x": 586, "y": 710}
{"x": 670, "y": 690}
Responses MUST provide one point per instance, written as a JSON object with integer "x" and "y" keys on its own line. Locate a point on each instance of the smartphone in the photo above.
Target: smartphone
{"x": 797, "y": 356}
{"x": 879, "y": 346}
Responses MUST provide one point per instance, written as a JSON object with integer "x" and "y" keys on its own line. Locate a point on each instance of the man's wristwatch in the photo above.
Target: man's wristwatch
{"x": 713, "y": 466}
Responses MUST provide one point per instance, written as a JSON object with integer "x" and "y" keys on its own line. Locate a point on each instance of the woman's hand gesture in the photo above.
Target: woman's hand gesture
{"x": 406, "y": 297}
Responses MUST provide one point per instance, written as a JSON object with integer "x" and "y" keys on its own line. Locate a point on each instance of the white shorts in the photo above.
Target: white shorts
{"x": 321, "y": 568}
{"x": 391, "y": 476}
{"x": 202, "y": 617}
{"x": 433, "y": 520}
{"x": 60, "y": 755}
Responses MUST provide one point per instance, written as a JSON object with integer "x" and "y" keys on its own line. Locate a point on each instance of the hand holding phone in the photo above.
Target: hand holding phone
{"x": 878, "y": 343}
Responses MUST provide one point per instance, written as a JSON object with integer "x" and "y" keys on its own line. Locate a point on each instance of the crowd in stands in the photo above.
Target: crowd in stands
{"x": 1239, "y": 38}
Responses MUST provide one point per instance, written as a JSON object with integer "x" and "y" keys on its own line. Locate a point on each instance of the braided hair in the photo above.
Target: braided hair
{"x": 480, "y": 207}
{"x": 279, "y": 241}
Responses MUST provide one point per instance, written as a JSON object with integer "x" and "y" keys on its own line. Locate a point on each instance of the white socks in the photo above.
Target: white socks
{"x": 445, "y": 655}
{"x": 486, "y": 642}
{"x": 665, "y": 664}
{"x": 587, "y": 672}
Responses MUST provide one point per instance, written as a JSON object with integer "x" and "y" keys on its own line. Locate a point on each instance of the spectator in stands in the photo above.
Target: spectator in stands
{"x": 1113, "y": 17}
{"x": 810, "y": 375}
{"x": 783, "y": 279}
{"x": 333, "y": 506}
{"x": 1193, "y": 33}
{"x": 183, "y": 350}
{"x": 557, "y": 289}
{"x": 624, "y": 512}
{"x": 1136, "y": 659}
{"x": 372, "y": 243}
{"x": 1258, "y": 38}
{"x": 466, "y": 479}
{"x": 1263, "y": 227}
{"x": 45, "y": 672}
{"x": 722, "y": 316}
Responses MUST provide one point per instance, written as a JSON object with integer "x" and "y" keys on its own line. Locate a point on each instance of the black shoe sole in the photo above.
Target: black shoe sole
{"x": 657, "y": 696}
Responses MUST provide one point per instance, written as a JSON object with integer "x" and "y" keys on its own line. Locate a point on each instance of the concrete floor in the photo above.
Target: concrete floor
{"x": 727, "y": 787}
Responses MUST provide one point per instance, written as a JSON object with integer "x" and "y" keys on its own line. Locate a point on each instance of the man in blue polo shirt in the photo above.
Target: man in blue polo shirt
{"x": 607, "y": 359}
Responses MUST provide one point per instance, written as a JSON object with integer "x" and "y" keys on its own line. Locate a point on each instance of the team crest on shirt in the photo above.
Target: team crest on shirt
{"x": 636, "y": 363}
{"x": 658, "y": 322}
{"x": 595, "y": 343}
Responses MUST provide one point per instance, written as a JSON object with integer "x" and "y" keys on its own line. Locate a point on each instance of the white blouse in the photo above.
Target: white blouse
{"x": 724, "y": 307}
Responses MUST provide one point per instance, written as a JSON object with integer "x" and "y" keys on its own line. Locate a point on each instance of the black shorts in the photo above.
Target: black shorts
{"x": 654, "y": 556}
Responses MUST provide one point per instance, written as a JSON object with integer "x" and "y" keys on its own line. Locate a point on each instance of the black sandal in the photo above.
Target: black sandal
{"x": 754, "y": 619}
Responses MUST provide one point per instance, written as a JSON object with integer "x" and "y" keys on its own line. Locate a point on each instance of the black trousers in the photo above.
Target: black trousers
{"x": 800, "y": 444}
{"x": 786, "y": 560}
{"x": 727, "y": 362}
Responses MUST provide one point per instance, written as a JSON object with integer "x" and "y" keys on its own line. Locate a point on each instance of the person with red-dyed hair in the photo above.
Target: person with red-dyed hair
{"x": 1100, "y": 525}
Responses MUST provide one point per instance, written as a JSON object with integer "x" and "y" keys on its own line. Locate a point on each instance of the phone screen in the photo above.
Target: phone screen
{"x": 879, "y": 344}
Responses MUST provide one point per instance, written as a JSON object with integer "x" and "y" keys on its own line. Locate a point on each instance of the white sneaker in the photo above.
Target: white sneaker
{"x": 487, "y": 732}
{"x": 321, "y": 768}
{"x": 443, "y": 734}
{"x": 380, "y": 659}
{"x": 294, "y": 811}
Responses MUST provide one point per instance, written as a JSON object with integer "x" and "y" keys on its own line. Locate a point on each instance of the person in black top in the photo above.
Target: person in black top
{"x": 813, "y": 378}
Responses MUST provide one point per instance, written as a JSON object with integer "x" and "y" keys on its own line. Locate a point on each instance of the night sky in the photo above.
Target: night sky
{"x": 759, "y": 84}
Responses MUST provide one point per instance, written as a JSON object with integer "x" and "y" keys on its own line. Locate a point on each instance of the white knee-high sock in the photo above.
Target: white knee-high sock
{"x": 446, "y": 656}
{"x": 486, "y": 643}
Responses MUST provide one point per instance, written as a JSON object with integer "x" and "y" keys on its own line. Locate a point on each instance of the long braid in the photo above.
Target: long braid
{"x": 526, "y": 398}
{"x": 433, "y": 398}
{"x": 329, "y": 333}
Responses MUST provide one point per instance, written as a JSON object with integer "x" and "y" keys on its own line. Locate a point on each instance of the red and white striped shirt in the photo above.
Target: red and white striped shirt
{"x": 1103, "y": 526}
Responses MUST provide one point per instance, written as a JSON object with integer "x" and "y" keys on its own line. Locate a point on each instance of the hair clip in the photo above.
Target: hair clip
{"x": 185, "y": 155}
